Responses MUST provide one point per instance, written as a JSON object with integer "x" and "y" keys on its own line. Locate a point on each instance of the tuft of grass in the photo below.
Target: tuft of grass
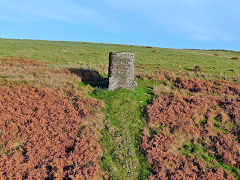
{"x": 43, "y": 76}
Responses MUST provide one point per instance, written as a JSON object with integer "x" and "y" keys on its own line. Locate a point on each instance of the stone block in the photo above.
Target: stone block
{"x": 121, "y": 71}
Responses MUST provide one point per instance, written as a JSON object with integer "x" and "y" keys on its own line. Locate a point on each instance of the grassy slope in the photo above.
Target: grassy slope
{"x": 124, "y": 119}
{"x": 89, "y": 55}
{"x": 121, "y": 135}
{"x": 123, "y": 130}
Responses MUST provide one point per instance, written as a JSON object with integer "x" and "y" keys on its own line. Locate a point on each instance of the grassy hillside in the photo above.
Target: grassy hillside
{"x": 178, "y": 123}
{"x": 90, "y": 55}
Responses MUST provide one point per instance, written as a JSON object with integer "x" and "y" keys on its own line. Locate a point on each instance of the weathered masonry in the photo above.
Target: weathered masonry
{"x": 121, "y": 70}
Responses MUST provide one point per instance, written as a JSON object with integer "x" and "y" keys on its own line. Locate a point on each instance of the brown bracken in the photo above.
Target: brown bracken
{"x": 211, "y": 121}
{"x": 43, "y": 135}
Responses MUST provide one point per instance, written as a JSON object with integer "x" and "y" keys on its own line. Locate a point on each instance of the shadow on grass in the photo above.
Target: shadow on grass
{"x": 188, "y": 69}
{"x": 91, "y": 77}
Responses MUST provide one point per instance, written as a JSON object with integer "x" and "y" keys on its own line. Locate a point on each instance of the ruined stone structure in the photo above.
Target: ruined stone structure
{"x": 121, "y": 70}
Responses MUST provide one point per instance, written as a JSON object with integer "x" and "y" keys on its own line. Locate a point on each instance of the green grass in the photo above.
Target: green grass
{"x": 92, "y": 55}
{"x": 122, "y": 133}
{"x": 189, "y": 148}
{"x": 224, "y": 128}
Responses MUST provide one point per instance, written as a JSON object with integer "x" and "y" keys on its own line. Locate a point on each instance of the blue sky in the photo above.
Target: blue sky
{"x": 203, "y": 24}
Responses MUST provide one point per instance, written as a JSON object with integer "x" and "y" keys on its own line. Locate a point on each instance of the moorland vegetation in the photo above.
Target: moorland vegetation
{"x": 58, "y": 121}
